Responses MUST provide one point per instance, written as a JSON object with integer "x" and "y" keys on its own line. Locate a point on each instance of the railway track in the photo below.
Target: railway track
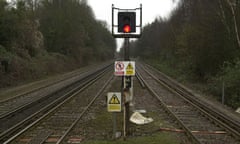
{"x": 17, "y": 103}
{"x": 18, "y": 94}
{"x": 60, "y": 121}
{"x": 201, "y": 123}
{"x": 55, "y": 125}
{"x": 18, "y": 118}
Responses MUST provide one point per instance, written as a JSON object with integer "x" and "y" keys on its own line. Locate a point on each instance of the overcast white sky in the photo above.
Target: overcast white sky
{"x": 151, "y": 9}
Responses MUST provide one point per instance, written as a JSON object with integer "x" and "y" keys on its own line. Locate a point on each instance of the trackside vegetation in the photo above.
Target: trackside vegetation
{"x": 44, "y": 37}
{"x": 199, "y": 43}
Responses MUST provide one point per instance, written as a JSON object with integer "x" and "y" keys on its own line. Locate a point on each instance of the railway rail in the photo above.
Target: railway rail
{"x": 17, "y": 103}
{"x": 38, "y": 107}
{"x": 201, "y": 122}
{"x": 55, "y": 125}
{"x": 60, "y": 118}
{"x": 17, "y": 96}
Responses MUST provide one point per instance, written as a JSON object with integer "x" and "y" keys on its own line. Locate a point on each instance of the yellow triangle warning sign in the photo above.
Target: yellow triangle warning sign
{"x": 114, "y": 100}
{"x": 129, "y": 67}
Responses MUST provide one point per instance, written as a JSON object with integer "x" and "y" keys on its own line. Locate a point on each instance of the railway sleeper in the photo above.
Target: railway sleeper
{"x": 41, "y": 137}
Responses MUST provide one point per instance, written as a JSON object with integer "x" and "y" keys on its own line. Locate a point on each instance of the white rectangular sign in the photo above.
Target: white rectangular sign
{"x": 114, "y": 102}
{"x": 124, "y": 68}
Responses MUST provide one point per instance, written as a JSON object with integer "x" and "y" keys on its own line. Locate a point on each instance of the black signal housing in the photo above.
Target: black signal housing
{"x": 126, "y": 22}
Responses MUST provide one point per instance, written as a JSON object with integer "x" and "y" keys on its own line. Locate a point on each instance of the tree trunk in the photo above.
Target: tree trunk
{"x": 235, "y": 22}
{"x": 223, "y": 16}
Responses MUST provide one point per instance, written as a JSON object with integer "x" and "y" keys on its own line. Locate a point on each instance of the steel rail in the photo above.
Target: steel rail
{"x": 41, "y": 98}
{"x": 65, "y": 77}
{"x": 38, "y": 88}
{"x": 37, "y": 100}
{"x": 84, "y": 111}
{"x": 52, "y": 105}
{"x": 164, "y": 106}
{"x": 219, "y": 118}
{"x": 140, "y": 79}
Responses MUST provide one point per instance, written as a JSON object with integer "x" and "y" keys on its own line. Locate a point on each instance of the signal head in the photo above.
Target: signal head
{"x": 126, "y": 22}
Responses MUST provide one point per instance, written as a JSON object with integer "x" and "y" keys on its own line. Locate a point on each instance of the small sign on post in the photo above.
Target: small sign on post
{"x": 124, "y": 68}
{"x": 130, "y": 69}
{"x": 114, "y": 102}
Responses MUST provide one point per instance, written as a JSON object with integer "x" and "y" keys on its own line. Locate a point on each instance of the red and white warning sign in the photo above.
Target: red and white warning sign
{"x": 124, "y": 68}
{"x": 119, "y": 68}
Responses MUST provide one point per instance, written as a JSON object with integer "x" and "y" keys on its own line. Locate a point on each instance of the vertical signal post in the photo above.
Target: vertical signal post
{"x": 127, "y": 25}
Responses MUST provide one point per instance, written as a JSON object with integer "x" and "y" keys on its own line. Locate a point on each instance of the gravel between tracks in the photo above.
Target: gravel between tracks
{"x": 97, "y": 124}
{"x": 190, "y": 117}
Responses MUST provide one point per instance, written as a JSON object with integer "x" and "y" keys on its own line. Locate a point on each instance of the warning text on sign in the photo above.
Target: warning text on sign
{"x": 124, "y": 68}
{"x": 114, "y": 102}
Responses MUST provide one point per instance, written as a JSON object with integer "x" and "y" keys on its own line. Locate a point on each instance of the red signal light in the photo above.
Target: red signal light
{"x": 126, "y": 28}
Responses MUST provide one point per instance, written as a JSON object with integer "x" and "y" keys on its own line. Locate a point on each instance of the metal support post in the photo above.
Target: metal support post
{"x": 121, "y": 33}
{"x": 126, "y": 49}
{"x": 126, "y": 114}
{"x": 114, "y": 117}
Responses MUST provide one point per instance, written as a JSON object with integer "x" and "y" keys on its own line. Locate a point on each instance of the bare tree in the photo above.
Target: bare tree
{"x": 222, "y": 16}
{"x": 232, "y": 4}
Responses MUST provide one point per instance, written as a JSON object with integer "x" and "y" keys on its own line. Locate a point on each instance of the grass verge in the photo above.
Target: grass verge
{"x": 158, "y": 138}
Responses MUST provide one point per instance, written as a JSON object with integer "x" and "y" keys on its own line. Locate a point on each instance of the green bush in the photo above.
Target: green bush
{"x": 231, "y": 77}
{"x": 4, "y": 54}
{"x": 2, "y": 50}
